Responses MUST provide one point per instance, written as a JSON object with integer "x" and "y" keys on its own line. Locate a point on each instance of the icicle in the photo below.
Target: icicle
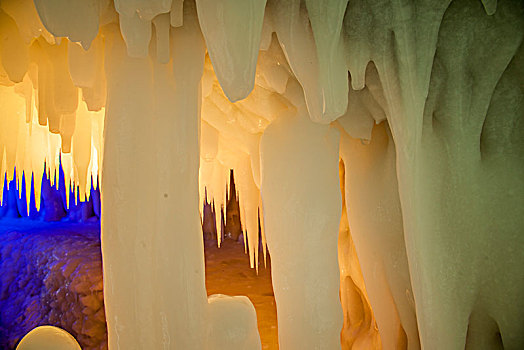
{"x": 53, "y": 157}
{"x": 490, "y": 6}
{"x": 82, "y": 149}
{"x": 83, "y": 64}
{"x": 26, "y": 17}
{"x": 95, "y": 95}
{"x": 296, "y": 39}
{"x": 162, "y": 28}
{"x": 249, "y": 199}
{"x": 176, "y": 13}
{"x": 76, "y": 19}
{"x": 219, "y": 184}
{"x": 262, "y": 230}
{"x": 67, "y": 128}
{"x": 13, "y": 51}
{"x": 326, "y": 21}
{"x": 136, "y": 33}
{"x": 233, "y": 52}
{"x": 65, "y": 96}
{"x": 38, "y": 151}
{"x": 2, "y": 176}
{"x": 12, "y": 115}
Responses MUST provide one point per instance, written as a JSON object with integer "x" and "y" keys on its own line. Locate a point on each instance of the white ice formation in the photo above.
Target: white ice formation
{"x": 48, "y": 338}
{"x": 421, "y": 101}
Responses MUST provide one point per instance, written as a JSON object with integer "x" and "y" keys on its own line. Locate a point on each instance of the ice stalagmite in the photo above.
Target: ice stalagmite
{"x": 302, "y": 207}
{"x": 47, "y": 338}
{"x": 231, "y": 324}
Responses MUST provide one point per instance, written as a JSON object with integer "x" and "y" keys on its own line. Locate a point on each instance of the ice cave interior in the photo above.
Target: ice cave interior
{"x": 362, "y": 160}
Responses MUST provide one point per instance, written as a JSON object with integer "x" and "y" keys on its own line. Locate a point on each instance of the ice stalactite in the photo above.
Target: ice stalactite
{"x": 427, "y": 96}
{"x": 232, "y": 50}
{"x": 13, "y": 51}
{"x": 302, "y": 208}
{"x": 375, "y": 223}
{"x": 448, "y": 234}
{"x": 32, "y": 150}
{"x": 291, "y": 24}
{"x": 78, "y": 20}
{"x": 238, "y": 127}
{"x": 326, "y": 23}
{"x": 441, "y": 87}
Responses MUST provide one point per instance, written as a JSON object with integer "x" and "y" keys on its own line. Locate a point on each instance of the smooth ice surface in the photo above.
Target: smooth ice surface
{"x": 439, "y": 211}
{"x": 302, "y": 208}
{"x": 232, "y": 323}
{"x": 232, "y": 31}
{"x": 376, "y": 228}
{"x": 360, "y": 329}
{"x": 48, "y": 338}
{"x": 76, "y": 19}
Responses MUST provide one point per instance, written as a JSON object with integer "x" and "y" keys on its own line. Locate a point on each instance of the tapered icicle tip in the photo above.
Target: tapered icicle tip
{"x": 490, "y": 6}
{"x": 262, "y": 231}
{"x": 2, "y": 179}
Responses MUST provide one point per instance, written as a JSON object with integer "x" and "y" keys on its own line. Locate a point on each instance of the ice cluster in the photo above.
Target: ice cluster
{"x": 412, "y": 110}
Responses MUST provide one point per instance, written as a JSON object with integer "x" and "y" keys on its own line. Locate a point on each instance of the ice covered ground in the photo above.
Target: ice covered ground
{"x": 228, "y": 272}
{"x": 50, "y": 273}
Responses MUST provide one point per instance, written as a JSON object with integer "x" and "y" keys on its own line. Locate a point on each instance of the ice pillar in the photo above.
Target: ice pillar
{"x": 375, "y": 219}
{"x": 151, "y": 234}
{"x": 302, "y": 208}
{"x": 460, "y": 179}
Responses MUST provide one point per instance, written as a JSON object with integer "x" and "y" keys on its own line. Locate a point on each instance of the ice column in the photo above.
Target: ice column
{"x": 375, "y": 221}
{"x": 151, "y": 238}
{"x": 302, "y": 208}
{"x": 462, "y": 185}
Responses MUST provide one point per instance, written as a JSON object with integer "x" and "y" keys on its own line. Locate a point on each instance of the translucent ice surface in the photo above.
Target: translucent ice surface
{"x": 48, "y": 338}
{"x": 160, "y": 100}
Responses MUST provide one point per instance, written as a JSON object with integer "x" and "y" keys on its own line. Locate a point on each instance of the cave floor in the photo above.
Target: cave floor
{"x": 50, "y": 251}
{"x": 228, "y": 272}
